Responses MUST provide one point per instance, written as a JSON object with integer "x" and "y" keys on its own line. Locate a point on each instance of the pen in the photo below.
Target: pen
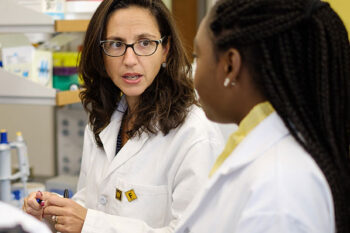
{"x": 39, "y": 200}
{"x": 66, "y": 193}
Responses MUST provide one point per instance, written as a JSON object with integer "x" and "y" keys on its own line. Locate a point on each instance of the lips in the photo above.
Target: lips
{"x": 132, "y": 78}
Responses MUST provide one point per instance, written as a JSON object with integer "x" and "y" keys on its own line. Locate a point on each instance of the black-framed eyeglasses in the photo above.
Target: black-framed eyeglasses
{"x": 144, "y": 47}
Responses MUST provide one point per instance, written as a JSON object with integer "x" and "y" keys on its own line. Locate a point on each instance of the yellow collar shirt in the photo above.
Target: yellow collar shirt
{"x": 264, "y": 181}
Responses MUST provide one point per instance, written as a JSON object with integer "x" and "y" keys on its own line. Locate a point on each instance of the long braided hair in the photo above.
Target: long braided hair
{"x": 300, "y": 56}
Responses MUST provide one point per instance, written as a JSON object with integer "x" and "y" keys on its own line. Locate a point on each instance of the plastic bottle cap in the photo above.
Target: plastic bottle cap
{"x": 19, "y": 133}
{"x": 3, "y": 137}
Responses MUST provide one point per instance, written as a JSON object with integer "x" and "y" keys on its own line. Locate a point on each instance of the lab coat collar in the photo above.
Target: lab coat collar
{"x": 109, "y": 139}
{"x": 109, "y": 134}
{"x": 259, "y": 140}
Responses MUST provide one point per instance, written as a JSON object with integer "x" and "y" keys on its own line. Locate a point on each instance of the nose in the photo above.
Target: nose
{"x": 130, "y": 58}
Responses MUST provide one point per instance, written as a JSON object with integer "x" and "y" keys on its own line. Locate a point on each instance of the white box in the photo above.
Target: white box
{"x": 71, "y": 122}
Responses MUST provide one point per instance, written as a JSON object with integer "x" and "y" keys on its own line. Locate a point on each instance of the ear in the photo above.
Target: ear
{"x": 231, "y": 62}
{"x": 165, "y": 50}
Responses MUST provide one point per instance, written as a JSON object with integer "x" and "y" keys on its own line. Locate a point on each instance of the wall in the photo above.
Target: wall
{"x": 168, "y": 3}
{"x": 37, "y": 126}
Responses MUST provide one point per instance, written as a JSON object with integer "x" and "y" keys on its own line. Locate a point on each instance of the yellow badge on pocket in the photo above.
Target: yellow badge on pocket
{"x": 118, "y": 194}
{"x": 131, "y": 195}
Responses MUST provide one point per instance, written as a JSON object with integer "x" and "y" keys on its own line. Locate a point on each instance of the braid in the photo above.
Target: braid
{"x": 301, "y": 63}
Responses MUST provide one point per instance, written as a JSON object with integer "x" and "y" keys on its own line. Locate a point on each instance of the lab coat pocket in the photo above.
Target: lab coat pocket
{"x": 149, "y": 203}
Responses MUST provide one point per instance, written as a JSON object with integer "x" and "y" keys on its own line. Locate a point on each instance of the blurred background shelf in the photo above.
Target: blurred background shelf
{"x": 19, "y": 19}
{"x": 15, "y": 18}
{"x": 17, "y": 90}
{"x": 72, "y": 25}
{"x": 67, "y": 97}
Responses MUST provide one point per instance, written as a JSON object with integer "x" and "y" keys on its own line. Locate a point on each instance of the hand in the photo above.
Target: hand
{"x": 32, "y": 207}
{"x": 70, "y": 216}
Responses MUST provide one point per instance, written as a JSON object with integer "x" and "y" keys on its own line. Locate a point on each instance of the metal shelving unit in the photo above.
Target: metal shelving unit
{"x": 16, "y": 18}
{"x": 16, "y": 90}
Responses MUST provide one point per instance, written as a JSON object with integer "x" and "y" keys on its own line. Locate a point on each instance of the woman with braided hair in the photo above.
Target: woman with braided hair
{"x": 281, "y": 70}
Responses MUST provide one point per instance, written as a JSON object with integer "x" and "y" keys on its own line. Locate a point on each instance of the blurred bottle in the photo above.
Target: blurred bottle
{"x": 20, "y": 145}
{"x": 5, "y": 168}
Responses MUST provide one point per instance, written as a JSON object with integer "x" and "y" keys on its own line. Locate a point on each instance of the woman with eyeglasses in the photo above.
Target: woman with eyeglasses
{"x": 281, "y": 70}
{"x": 148, "y": 147}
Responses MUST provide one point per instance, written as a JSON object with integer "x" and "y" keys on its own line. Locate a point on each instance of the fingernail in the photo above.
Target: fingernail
{"x": 40, "y": 192}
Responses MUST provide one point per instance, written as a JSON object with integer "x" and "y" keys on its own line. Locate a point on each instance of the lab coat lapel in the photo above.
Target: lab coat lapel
{"x": 265, "y": 135}
{"x": 128, "y": 151}
{"x": 109, "y": 134}
{"x": 109, "y": 139}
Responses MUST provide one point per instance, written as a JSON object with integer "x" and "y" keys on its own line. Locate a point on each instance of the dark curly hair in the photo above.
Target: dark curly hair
{"x": 300, "y": 57}
{"x": 164, "y": 104}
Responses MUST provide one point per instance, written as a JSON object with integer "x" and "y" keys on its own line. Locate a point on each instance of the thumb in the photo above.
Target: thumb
{"x": 39, "y": 194}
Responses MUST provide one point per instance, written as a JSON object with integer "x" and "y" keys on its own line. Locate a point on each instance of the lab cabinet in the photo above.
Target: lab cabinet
{"x": 27, "y": 106}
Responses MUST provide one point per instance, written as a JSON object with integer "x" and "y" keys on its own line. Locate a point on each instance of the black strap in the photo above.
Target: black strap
{"x": 119, "y": 138}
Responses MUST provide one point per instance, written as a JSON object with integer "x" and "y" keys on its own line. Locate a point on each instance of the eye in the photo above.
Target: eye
{"x": 144, "y": 43}
{"x": 115, "y": 44}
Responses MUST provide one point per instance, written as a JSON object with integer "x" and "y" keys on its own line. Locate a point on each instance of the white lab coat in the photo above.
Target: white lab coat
{"x": 11, "y": 217}
{"x": 269, "y": 184}
{"x": 165, "y": 172}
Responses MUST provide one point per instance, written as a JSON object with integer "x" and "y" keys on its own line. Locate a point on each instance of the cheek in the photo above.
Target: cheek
{"x": 152, "y": 66}
{"x": 202, "y": 80}
{"x": 111, "y": 65}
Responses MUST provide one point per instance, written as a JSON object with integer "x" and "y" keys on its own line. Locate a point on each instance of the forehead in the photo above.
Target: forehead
{"x": 132, "y": 21}
{"x": 202, "y": 36}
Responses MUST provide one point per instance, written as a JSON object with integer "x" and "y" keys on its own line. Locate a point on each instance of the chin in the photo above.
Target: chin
{"x": 210, "y": 116}
{"x": 133, "y": 93}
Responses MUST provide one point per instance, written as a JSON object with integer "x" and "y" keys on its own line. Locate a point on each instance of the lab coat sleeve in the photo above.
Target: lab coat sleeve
{"x": 189, "y": 179}
{"x": 80, "y": 195}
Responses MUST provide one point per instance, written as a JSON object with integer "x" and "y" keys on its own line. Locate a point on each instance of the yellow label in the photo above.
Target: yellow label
{"x": 131, "y": 195}
{"x": 118, "y": 194}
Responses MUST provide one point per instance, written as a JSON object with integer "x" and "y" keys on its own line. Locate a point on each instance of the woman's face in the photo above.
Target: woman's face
{"x": 223, "y": 103}
{"x": 132, "y": 74}
{"x": 205, "y": 80}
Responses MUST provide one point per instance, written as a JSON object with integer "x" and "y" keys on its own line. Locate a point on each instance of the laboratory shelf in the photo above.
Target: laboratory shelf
{"x": 15, "y": 18}
{"x": 72, "y": 25}
{"x": 67, "y": 97}
{"x": 18, "y": 90}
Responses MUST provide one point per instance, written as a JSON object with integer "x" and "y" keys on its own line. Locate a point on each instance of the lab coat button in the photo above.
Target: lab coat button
{"x": 103, "y": 200}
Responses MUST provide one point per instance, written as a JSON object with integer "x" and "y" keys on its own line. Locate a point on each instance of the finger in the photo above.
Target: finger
{"x": 39, "y": 194}
{"x": 61, "y": 220}
{"x": 46, "y": 195}
{"x": 24, "y": 207}
{"x": 60, "y": 228}
{"x": 56, "y": 201}
{"x": 54, "y": 210}
{"x": 35, "y": 213}
{"x": 31, "y": 202}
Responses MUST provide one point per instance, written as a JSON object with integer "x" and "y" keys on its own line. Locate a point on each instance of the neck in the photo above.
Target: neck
{"x": 247, "y": 107}
{"x": 132, "y": 102}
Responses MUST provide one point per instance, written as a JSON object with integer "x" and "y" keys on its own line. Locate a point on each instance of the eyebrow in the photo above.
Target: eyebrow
{"x": 142, "y": 35}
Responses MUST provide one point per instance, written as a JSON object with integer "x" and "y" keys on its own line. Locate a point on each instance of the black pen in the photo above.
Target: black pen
{"x": 66, "y": 193}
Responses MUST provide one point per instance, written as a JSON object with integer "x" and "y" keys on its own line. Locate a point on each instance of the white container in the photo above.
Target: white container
{"x": 5, "y": 172}
{"x": 80, "y": 9}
